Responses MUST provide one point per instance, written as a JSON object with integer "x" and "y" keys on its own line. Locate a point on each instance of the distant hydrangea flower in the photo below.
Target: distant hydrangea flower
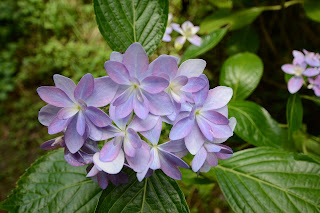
{"x": 139, "y": 90}
{"x": 207, "y": 119}
{"x": 166, "y": 36}
{"x": 298, "y": 70}
{"x": 315, "y": 85}
{"x": 74, "y": 108}
{"x": 188, "y": 32}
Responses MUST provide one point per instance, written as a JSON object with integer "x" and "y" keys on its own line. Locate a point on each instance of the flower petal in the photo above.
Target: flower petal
{"x": 117, "y": 72}
{"x": 97, "y": 116}
{"x": 182, "y": 128}
{"x": 122, "y": 122}
{"x": 141, "y": 159}
{"x": 47, "y": 114}
{"x": 57, "y": 125}
{"x": 52, "y": 144}
{"x": 194, "y": 140}
{"x": 67, "y": 112}
{"x": 102, "y": 179}
{"x": 220, "y": 131}
{"x": 179, "y": 42}
{"x": 225, "y": 152}
{"x": 165, "y": 64}
{"x": 232, "y": 125}
{"x": 81, "y": 123}
{"x": 159, "y": 104}
{"x": 73, "y": 140}
{"x": 154, "y": 84}
{"x": 170, "y": 169}
{"x": 199, "y": 159}
{"x": 173, "y": 159}
{"x": 212, "y": 159}
{"x": 112, "y": 167}
{"x": 136, "y": 60}
{"x": 140, "y": 105}
{"x": 195, "y": 40}
{"x": 205, "y": 127}
{"x": 65, "y": 84}
{"x": 192, "y": 68}
{"x": 85, "y": 87}
{"x": 103, "y": 92}
{"x": 124, "y": 109}
{"x": 122, "y": 98}
{"x": 294, "y": 84}
{"x": 93, "y": 172}
{"x": 194, "y": 84}
{"x": 134, "y": 138}
{"x": 311, "y": 72}
{"x": 140, "y": 125}
{"x": 201, "y": 96}
{"x": 218, "y": 97}
{"x": 153, "y": 134}
{"x": 154, "y": 154}
{"x": 116, "y": 56}
{"x": 110, "y": 151}
{"x": 54, "y": 96}
{"x": 288, "y": 68}
{"x": 214, "y": 117}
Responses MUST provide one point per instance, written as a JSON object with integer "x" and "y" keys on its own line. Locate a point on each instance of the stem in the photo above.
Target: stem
{"x": 285, "y": 5}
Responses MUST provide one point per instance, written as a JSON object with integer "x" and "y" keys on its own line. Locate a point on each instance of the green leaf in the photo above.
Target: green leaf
{"x": 208, "y": 42}
{"x": 159, "y": 193}
{"x": 242, "y": 72}
{"x": 243, "y": 40}
{"x": 254, "y": 124}
{"x": 294, "y": 114}
{"x": 312, "y": 8}
{"x": 52, "y": 185}
{"x": 124, "y": 22}
{"x": 235, "y": 20}
{"x": 270, "y": 180}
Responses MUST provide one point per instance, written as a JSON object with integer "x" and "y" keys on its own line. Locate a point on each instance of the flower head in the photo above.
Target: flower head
{"x": 207, "y": 119}
{"x": 298, "y": 70}
{"x": 139, "y": 90}
{"x": 74, "y": 108}
{"x": 188, "y": 32}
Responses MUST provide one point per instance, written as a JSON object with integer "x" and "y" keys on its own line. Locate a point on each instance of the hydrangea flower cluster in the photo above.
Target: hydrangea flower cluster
{"x": 305, "y": 64}
{"x": 140, "y": 97}
{"x": 187, "y": 30}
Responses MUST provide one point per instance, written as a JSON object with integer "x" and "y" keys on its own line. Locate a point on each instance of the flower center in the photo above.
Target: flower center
{"x": 298, "y": 71}
{"x": 188, "y": 32}
{"x": 82, "y": 105}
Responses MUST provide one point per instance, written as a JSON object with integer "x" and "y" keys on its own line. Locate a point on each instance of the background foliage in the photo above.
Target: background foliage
{"x": 40, "y": 38}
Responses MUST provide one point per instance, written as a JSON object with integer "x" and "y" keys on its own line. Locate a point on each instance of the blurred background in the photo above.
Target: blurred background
{"x": 39, "y": 38}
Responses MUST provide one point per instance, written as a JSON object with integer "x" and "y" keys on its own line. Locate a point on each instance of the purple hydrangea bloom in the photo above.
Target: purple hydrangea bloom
{"x": 298, "y": 70}
{"x": 188, "y": 32}
{"x": 315, "y": 85}
{"x": 166, "y": 36}
{"x": 207, "y": 120}
{"x": 125, "y": 138}
{"x": 103, "y": 178}
{"x": 208, "y": 156}
{"x": 164, "y": 156}
{"x": 139, "y": 90}
{"x": 183, "y": 81}
{"x": 311, "y": 58}
{"x": 211, "y": 151}
{"x": 74, "y": 108}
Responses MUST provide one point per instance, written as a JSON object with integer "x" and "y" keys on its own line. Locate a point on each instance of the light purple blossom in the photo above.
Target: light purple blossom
{"x": 183, "y": 81}
{"x": 211, "y": 151}
{"x": 139, "y": 90}
{"x": 74, "y": 108}
{"x": 188, "y": 32}
{"x": 298, "y": 70}
{"x": 315, "y": 85}
{"x": 207, "y": 120}
{"x": 166, "y": 36}
{"x": 164, "y": 156}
